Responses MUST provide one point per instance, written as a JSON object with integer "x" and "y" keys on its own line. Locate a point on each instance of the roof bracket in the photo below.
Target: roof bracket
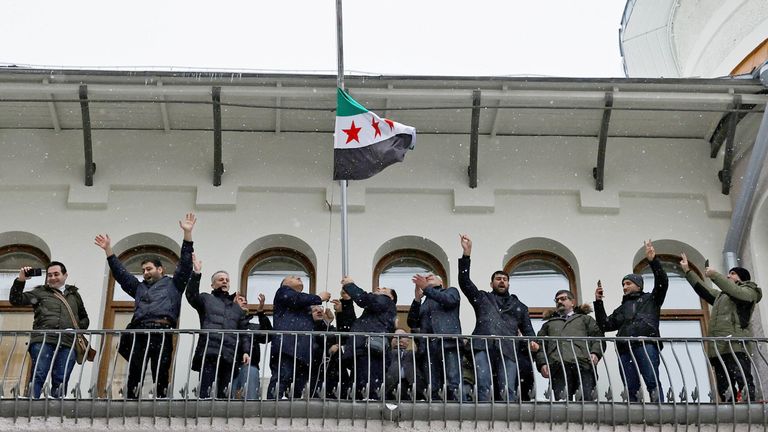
{"x": 218, "y": 167}
{"x": 733, "y": 120}
{"x": 90, "y": 166}
{"x": 598, "y": 172}
{"x": 473, "y": 139}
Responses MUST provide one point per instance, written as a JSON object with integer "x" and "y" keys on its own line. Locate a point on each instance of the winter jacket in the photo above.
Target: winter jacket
{"x": 218, "y": 311}
{"x": 438, "y": 314}
{"x": 256, "y": 339}
{"x": 50, "y": 312}
{"x": 638, "y": 314}
{"x": 731, "y": 311}
{"x": 496, "y": 315}
{"x": 292, "y": 313}
{"x": 579, "y": 325}
{"x": 379, "y": 314}
{"x": 160, "y": 300}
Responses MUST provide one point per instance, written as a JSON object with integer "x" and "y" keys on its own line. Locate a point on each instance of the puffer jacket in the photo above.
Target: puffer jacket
{"x": 218, "y": 311}
{"x": 497, "y": 315}
{"x": 638, "y": 314}
{"x": 731, "y": 312}
{"x": 579, "y": 325}
{"x": 50, "y": 312}
{"x": 161, "y": 299}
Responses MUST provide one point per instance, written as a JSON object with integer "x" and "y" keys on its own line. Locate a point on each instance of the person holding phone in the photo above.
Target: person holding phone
{"x": 637, "y": 316}
{"x": 736, "y": 298}
{"x": 50, "y": 351}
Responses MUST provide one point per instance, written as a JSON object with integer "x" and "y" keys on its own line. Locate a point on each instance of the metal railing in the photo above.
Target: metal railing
{"x": 402, "y": 378}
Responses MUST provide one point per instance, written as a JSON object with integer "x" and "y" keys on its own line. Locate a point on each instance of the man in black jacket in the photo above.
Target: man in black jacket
{"x": 637, "y": 316}
{"x": 437, "y": 314}
{"x": 157, "y": 301}
{"x": 217, "y": 354}
{"x": 51, "y": 351}
{"x": 498, "y": 313}
{"x": 379, "y": 314}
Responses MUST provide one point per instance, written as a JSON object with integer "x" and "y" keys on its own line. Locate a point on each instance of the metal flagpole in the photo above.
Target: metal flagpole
{"x": 342, "y": 183}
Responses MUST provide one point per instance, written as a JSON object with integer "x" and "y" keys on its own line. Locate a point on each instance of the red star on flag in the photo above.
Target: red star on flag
{"x": 375, "y": 125}
{"x": 352, "y": 133}
{"x": 390, "y": 123}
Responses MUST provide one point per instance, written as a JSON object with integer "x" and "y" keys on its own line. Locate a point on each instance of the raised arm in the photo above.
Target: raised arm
{"x": 364, "y": 299}
{"x": 193, "y": 287}
{"x": 296, "y": 300}
{"x": 708, "y": 294}
{"x": 184, "y": 269}
{"x": 605, "y": 322}
{"x": 17, "y": 296}
{"x": 739, "y": 292}
{"x": 660, "y": 279}
{"x": 127, "y": 281}
{"x": 465, "y": 283}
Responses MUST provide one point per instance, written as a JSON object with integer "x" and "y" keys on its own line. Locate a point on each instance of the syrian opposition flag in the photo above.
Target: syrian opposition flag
{"x": 364, "y": 143}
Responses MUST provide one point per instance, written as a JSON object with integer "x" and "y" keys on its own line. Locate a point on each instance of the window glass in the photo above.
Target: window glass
{"x": 10, "y": 263}
{"x": 686, "y": 361}
{"x": 265, "y": 276}
{"x": 680, "y": 294}
{"x": 399, "y": 274}
{"x": 535, "y": 282}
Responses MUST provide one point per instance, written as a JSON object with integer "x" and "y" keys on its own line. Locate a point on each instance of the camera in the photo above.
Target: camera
{"x": 33, "y": 272}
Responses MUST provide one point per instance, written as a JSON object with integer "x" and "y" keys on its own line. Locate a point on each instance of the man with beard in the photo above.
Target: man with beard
{"x": 570, "y": 364}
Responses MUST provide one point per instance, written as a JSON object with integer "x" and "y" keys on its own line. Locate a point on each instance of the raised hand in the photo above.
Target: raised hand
{"x": 328, "y": 315}
{"x": 466, "y": 244}
{"x": 324, "y": 296}
{"x": 262, "y": 300}
{"x": 187, "y": 224}
{"x": 103, "y": 241}
{"x": 336, "y": 305}
{"x": 684, "y": 263}
{"x": 197, "y": 265}
{"x": 650, "y": 252}
{"x": 346, "y": 280}
{"x": 599, "y": 293}
{"x": 23, "y": 273}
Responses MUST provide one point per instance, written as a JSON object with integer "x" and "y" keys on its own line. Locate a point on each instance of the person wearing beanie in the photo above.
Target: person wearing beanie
{"x": 637, "y": 316}
{"x": 736, "y": 297}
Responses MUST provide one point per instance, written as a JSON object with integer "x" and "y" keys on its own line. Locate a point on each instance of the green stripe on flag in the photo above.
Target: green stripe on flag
{"x": 346, "y": 106}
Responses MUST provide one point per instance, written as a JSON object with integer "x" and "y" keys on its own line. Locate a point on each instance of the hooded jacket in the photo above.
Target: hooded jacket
{"x": 638, "y": 314}
{"x": 579, "y": 326}
{"x": 50, "y": 312}
{"x": 731, "y": 311}
{"x": 218, "y": 311}
{"x": 496, "y": 314}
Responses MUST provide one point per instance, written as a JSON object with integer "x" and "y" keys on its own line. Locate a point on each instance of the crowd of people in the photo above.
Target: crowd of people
{"x": 358, "y": 358}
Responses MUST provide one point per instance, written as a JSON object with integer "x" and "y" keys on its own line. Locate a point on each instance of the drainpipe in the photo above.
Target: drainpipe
{"x": 745, "y": 200}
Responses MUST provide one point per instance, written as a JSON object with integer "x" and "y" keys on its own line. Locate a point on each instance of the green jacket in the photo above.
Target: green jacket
{"x": 579, "y": 326}
{"x": 731, "y": 312}
{"x": 50, "y": 312}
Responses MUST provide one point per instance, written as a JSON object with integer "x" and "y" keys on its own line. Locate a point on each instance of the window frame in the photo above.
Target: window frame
{"x": 5, "y": 305}
{"x": 275, "y": 252}
{"x": 537, "y": 312}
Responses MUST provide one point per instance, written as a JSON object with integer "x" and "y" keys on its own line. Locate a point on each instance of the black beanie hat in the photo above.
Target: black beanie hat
{"x": 742, "y": 272}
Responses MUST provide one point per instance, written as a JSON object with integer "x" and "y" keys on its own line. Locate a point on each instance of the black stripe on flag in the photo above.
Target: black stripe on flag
{"x": 364, "y": 162}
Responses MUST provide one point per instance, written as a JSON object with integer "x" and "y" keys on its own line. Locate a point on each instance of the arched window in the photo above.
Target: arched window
{"x": 535, "y": 277}
{"x": 396, "y": 269}
{"x": 119, "y": 311}
{"x": 263, "y": 272}
{"x": 12, "y": 258}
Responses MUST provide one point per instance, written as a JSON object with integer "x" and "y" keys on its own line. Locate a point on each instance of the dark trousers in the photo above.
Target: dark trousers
{"x": 641, "y": 360}
{"x": 286, "y": 371}
{"x": 741, "y": 385}
{"x": 442, "y": 366}
{"x": 59, "y": 361}
{"x": 369, "y": 371}
{"x": 217, "y": 372}
{"x": 572, "y": 379}
{"x": 525, "y": 376}
{"x": 157, "y": 350}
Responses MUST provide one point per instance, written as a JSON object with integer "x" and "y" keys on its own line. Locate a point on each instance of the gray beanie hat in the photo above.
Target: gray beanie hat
{"x": 635, "y": 278}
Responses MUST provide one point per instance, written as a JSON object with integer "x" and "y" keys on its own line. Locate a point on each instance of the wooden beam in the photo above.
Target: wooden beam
{"x": 90, "y": 167}
{"x": 474, "y": 138}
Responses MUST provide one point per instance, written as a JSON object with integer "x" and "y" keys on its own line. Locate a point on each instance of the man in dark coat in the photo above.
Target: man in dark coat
{"x": 247, "y": 383}
{"x": 379, "y": 314}
{"x": 51, "y": 352}
{"x": 637, "y": 316}
{"x": 290, "y": 352}
{"x": 730, "y": 316}
{"x": 217, "y": 354}
{"x": 498, "y": 313}
{"x": 326, "y": 373}
{"x": 157, "y": 302}
{"x": 437, "y": 314}
{"x": 570, "y": 363}
{"x": 403, "y": 378}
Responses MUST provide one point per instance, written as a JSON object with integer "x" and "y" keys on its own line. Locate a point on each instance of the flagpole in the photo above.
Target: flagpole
{"x": 342, "y": 183}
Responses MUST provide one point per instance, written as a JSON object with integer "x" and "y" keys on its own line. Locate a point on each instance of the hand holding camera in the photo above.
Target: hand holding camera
{"x": 29, "y": 272}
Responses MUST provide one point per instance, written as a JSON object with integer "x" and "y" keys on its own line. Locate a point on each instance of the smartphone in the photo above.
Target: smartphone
{"x": 599, "y": 287}
{"x": 706, "y": 263}
{"x": 33, "y": 272}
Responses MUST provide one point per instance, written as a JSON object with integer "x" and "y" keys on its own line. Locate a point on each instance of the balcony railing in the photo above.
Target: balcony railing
{"x": 358, "y": 377}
